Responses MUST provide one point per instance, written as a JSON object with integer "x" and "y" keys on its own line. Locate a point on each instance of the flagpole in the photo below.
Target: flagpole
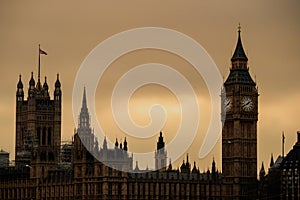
{"x": 283, "y": 144}
{"x": 39, "y": 64}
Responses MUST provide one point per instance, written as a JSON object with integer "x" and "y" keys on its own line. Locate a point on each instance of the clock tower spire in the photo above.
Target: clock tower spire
{"x": 239, "y": 134}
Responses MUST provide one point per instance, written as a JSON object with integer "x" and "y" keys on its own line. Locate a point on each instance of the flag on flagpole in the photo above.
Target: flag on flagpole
{"x": 43, "y": 52}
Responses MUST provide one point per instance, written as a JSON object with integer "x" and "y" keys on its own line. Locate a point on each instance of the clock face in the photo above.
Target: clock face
{"x": 227, "y": 104}
{"x": 247, "y": 104}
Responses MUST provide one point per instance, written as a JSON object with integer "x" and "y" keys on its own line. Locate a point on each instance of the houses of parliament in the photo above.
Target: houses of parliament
{"x": 46, "y": 168}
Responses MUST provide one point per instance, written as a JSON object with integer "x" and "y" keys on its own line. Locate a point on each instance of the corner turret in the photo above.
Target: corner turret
{"x": 20, "y": 91}
{"x": 31, "y": 89}
{"x": 125, "y": 148}
{"x": 57, "y": 91}
{"x": 46, "y": 87}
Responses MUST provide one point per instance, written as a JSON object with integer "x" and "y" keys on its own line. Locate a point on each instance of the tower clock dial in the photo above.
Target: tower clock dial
{"x": 247, "y": 104}
{"x": 227, "y": 104}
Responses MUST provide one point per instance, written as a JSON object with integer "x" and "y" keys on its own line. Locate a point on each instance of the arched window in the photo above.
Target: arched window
{"x": 43, "y": 171}
{"x": 49, "y": 136}
{"x": 38, "y": 133}
{"x": 44, "y": 136}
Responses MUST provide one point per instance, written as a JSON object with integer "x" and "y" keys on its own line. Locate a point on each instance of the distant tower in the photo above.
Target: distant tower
{"x": 160, "y": 154}
{"x": 84, "y": 143}
{"x": 38, "y": 127}
{"x": 239, "y": 134}
{"x": 213, "y": 168}
{"x": 84, "y": 129}
{"x": 85, "y": 148}
{"x": 186, "y": 167}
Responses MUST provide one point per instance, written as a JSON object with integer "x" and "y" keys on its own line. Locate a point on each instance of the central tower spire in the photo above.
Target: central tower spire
{"x": 84, "y": 105}
{"x": 84, "y": 117}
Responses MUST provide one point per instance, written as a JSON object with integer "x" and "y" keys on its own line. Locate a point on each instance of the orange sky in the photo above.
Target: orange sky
{"x": 69, "y": 30}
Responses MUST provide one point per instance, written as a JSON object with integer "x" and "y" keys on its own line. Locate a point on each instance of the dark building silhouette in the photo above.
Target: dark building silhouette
{"x": 239, "y": 134}
{"x": 290, "y": 167}
{"x": 282, "y": 180}
{"x": 81, "y": 169}
{"x": 38, "y": 127}
{"x": 160, "y": 154}
{"x": 86, "y": 148}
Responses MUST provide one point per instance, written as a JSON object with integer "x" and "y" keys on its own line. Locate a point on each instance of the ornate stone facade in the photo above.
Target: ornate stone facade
{"x": 239, "y": 134}
{"x": 38, "y": 127}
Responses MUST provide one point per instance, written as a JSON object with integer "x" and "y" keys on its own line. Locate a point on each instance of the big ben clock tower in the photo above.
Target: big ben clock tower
{"x": 239, "y": 134}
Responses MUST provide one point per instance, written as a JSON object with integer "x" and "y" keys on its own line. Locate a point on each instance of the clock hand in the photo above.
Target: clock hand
{"x": 245, "y": 104}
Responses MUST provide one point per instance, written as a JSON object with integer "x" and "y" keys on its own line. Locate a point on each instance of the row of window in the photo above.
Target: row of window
{"x": 114, "y": 189}
{"x": 44, "y": 136}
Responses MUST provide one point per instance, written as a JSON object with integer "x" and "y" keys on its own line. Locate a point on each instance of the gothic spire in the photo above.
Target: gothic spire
{"x": 160, "y": 143}
{"x": 45, "y": 86}
{"x": 31, "y": 82}
{"x": 84, "y": 117}
{"x": 182, "y": 167}
{"x": 20, "y": 91}
{"x": 272, "y": 161}
{"x": 239, "y": 53}
{"x": 105, "y": 143}
{"x": 170, "y": 165}
{"x": 194, "y": 170}
{"x": 38, "y": 85}
{"x": 136, "y": 166}
{"x": 239, "y": 72}
{"x": 57, "y": 82}
{"x": 116, "y": 143}
{"x": 125, "y": 145}
{"x": 213, "y": 163}
{"x": 84, "y": 105}
{"x": 262, "y": 172}
{"x": 213, "y": 166}
{"x": 20, "y": 84}
{"x": 57, "y": 90}
{"x": 187, "y": 158}
{"x": 187, "y": 164}
{"x": 262, "y": 169}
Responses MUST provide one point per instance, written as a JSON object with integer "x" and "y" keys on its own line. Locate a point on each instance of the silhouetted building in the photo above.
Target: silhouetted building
{"x": 290, "y": 167}
{"x": 239, "y": 134}
{"x": 45, "y": 169}
{"x": 282, "y": 180}
{"x": 38, "y": 127}
{"x": 160, "y": 154}
{"x": 86, "y": 148}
